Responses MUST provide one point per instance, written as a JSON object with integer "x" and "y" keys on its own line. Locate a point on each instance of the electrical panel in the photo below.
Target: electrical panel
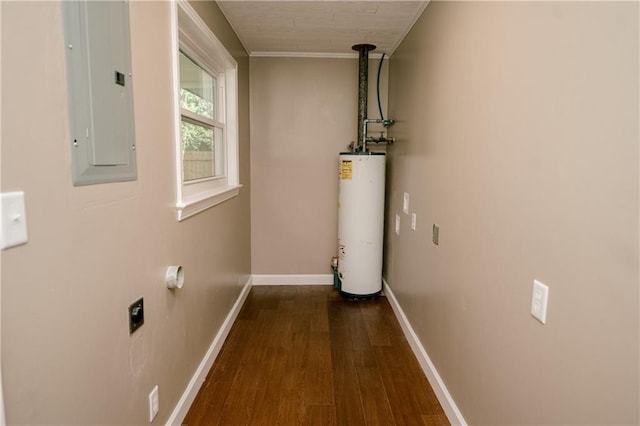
{"x": 99, "y": 80}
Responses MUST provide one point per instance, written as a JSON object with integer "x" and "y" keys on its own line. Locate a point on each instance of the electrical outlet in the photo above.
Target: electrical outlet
{"x": 397, "y": 225}
{"x": 154, "y": 403}
{"x": 405, "y": 203}
{"x": 539, "y": 298}
{"x": 435, "y": 236}
{"x": 413, "y": 221}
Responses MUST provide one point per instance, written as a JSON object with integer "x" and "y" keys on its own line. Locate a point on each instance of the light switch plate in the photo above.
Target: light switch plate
{"x": 539, "y": 298}
{"x": 397, "y": 225}
{"x": 435, "y": 234}
{"x": 413, "y": 221}
{"x": 13, "y": 225}
{"x": 405, "y": 203}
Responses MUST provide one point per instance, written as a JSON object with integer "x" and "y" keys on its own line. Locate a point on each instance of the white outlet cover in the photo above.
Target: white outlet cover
{"x": 405, "y": 203}
{"x": 154, "y": 403}
{"x": 413, "y": 221}
{"x": 397, "y": 225}
{"x": 13, "y": 220}
{"x": 539, "y": 299}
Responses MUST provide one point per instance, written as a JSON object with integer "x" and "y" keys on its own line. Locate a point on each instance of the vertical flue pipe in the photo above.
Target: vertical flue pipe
{"x": 363, "y": 88}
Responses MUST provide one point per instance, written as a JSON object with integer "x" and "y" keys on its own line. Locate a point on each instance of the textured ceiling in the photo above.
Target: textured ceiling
{"x": 329, "y": 27}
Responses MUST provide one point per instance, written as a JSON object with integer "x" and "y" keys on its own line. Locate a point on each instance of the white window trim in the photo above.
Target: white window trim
{"x": 190, "y": 36}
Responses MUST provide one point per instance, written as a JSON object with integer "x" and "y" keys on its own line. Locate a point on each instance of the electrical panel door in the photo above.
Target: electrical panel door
{"x": 99, "y": 79}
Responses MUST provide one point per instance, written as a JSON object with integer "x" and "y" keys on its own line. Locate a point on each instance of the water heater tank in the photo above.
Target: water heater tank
{"x": 360, "y": 223}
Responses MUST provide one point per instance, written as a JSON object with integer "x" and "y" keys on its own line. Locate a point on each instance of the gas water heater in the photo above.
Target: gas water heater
{"x": 358, "y": 272}
{"x": 360, "y": 223}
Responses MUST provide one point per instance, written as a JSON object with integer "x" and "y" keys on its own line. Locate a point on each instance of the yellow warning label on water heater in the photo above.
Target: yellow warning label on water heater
{"x": 346, "y": 170}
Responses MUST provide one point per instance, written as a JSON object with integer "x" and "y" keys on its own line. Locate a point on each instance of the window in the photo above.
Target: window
{"x": 202, "y": 123}
{"x": 206, "y": 130}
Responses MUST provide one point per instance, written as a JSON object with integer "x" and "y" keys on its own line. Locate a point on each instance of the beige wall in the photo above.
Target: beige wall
{"x": 303, "y": 114}
{"x": 518, "y": 135}
{"x": 66, "y": 351}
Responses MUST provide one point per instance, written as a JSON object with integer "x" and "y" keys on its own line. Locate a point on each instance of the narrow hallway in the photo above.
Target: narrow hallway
{"x": 304, "y": 355}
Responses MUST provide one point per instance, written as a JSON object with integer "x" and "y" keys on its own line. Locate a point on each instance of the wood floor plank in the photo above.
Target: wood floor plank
{"x": 376, "y": 324}
{"x": 268, "y": 395}
{"x": 208, "y": 404}
{"x": 319, "y": 373}
{"x": 400, "y": 370}
{"x": 305, "y": 355}
{"x": 291, "y": 405}
{"x": 435, "y": 420}
{"x": 406, "y": 409}
{"x": 239, "y": 404}
{"x": 375, "y": 404}
{"x": 348, "y": 404}
{"x": 320, "y": 415}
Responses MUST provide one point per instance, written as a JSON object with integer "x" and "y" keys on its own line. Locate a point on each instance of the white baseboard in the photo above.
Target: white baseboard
{"x": 182, "y": 407}
{"x": 448, "y": 404}
{"x": 307, "y": 279}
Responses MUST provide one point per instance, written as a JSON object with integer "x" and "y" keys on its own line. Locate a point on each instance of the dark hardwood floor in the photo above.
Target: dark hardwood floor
{"x": 305, "y": 355}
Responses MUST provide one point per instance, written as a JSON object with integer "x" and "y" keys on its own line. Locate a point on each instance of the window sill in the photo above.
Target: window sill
{"x": 202, "y": 202}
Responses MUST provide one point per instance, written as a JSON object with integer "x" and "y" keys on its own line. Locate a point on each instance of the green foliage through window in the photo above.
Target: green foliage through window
{"x": 196, "y": 137}
{"x": 194, "y": 103}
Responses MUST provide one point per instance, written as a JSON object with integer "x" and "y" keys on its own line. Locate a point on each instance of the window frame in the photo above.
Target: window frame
{"x": 193, "y": 37}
